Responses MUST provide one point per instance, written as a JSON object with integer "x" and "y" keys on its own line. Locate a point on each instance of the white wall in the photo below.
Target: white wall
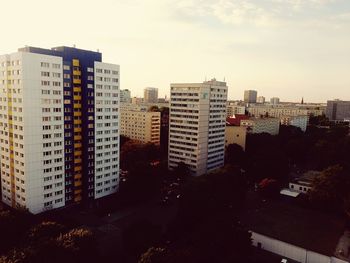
{"x": 290, "y": 251}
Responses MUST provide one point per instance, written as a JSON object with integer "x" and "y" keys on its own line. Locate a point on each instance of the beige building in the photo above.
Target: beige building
{"x": 150, "y": 95}
{"x": 197, "y": 125}
{"x": 262, "y": 125}
{"x": 140, "y": 125}
{"x": 235, "y": 134}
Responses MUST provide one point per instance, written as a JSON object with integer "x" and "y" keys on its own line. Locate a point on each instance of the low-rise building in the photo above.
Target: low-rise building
{"x": 233, "y": 109}
{"x": 300, "y": 121}
{"x": 234, "y": 133}
{"x": 295, "y": 232}
{"x": 262, "y": 125}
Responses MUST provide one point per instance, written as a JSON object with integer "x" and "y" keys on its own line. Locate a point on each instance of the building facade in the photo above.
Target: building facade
{"x": 275, "y": 100}
{"x": 139, "y": 124}
{"x": 278, "y": 111}
{"x": 236, "y": 134}
{"x": 125, "y": 96}
{"x": 197, "y": 125}
{"x": 232, "y": 110}
{"x": 262, "y": 125}
{"x": 250, "y": 96}
{"x": 260, "y": 99}
{"x": 150, "y": 95}
{"x": 59, "y": 127}
{"x": 300, "y": 121}
{"x": 338, "y": 110}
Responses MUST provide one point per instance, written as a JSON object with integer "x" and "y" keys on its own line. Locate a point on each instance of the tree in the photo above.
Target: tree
{"x": 155, "y": 255}
{"x": 330, "y": 188}
{"x": 139, "y": 236}
{"x": 235, "y": 155}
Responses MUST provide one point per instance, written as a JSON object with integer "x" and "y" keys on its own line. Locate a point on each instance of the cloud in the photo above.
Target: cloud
{"x": 259, "y": 13}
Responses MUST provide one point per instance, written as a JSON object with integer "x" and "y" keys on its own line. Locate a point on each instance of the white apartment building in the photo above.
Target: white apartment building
{"x": 32, "y": 131}
{"x": 106, "y": 129}
{"x": 59, "y": 127}
{"x": 262, "y": 125}
{"x": 260, "y": 99}
{"x": 197, "y": 125}
{"x": 278, "y": 111}
{"x": 232, "y": 110}
{"x": 300, "y": 121}
{"x": 125, "y": 95}
{"x": 139, "y": 124}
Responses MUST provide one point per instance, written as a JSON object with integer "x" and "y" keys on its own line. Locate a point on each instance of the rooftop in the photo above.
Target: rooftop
{"x": 293, "y": 224}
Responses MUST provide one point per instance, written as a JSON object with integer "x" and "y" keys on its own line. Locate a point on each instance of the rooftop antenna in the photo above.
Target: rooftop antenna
{"x": 98, "y": 50}
{"x": 74, "y": 45}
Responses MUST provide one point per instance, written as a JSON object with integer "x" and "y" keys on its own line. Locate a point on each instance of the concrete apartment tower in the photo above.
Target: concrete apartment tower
{"x": 150, "y": 95}
{"x": 59, "y": 127}
{"x": 125, "y": 95}
{"x": 250, "y": 96}
{"x": 197, "y": 125}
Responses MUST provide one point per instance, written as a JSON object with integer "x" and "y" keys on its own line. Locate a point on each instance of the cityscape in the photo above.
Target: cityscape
{"x": 175, "y": 153}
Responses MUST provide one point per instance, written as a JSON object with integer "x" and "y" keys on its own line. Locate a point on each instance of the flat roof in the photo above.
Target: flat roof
{"x": 287, "y": 221}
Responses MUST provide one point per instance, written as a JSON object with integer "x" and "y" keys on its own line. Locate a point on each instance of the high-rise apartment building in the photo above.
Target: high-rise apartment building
{"x": 125, "y": 95}
{"x": 139, "y": 124}
{"x": 260, "y": 99}
{"x": 197, "y": 125}
{"x": 59, "y": 127}
{"x": 250, "y": 96}
{"x": 150, "y": 95}
{"x": 275, "y": 100}
{"x": 338, "y": 110}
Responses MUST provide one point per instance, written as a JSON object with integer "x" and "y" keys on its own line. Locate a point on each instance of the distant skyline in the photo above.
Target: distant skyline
{"x": 282, "y": 48}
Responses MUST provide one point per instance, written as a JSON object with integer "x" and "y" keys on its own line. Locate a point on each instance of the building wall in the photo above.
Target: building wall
{"x": 299, "y": 188}
{"x": 234, "y": 109}
{"x": 197, "y": 125}
{"x": 150, "y": 95}
{"x": 235, "y": 134}
{"x": 32, "y": 127}
{"x": 338, "y": 110}
{"x": 262, "y": 125}
{"x": 140, "y": 125}
{"x": 125, "y": 96}
{"x": 279, "y": 111}
{"x": 106, "y": 129}
{"x": 290, "y": 251}
{"x": 250, "y": 96}
{"x": 297, "y": 121}
{"x": 51, "y": 118}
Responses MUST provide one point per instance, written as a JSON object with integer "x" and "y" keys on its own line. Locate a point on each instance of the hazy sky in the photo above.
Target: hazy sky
{"x": 283, "y": 48}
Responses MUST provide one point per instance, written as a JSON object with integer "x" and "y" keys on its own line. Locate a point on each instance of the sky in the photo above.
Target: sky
{"x": 282, "y": 48}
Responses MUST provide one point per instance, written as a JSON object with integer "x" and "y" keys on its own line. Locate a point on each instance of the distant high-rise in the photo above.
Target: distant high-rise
{"x": 338, "y": 110}
{"x": 59, "y": 118}
{"x": 260, "y": 99}
{"x": 250, "y": 96}
{"x": 274, "y": 100}
{"x": 125, "y": 95}
{"x": 197, "y": 125}
{"x": 150, "y": 95}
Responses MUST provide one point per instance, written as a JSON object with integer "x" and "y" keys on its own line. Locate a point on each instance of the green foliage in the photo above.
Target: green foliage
{"x": 330, "y": 189}
{"x": 206, "y": 228}
{"x": 155, "y": 255}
